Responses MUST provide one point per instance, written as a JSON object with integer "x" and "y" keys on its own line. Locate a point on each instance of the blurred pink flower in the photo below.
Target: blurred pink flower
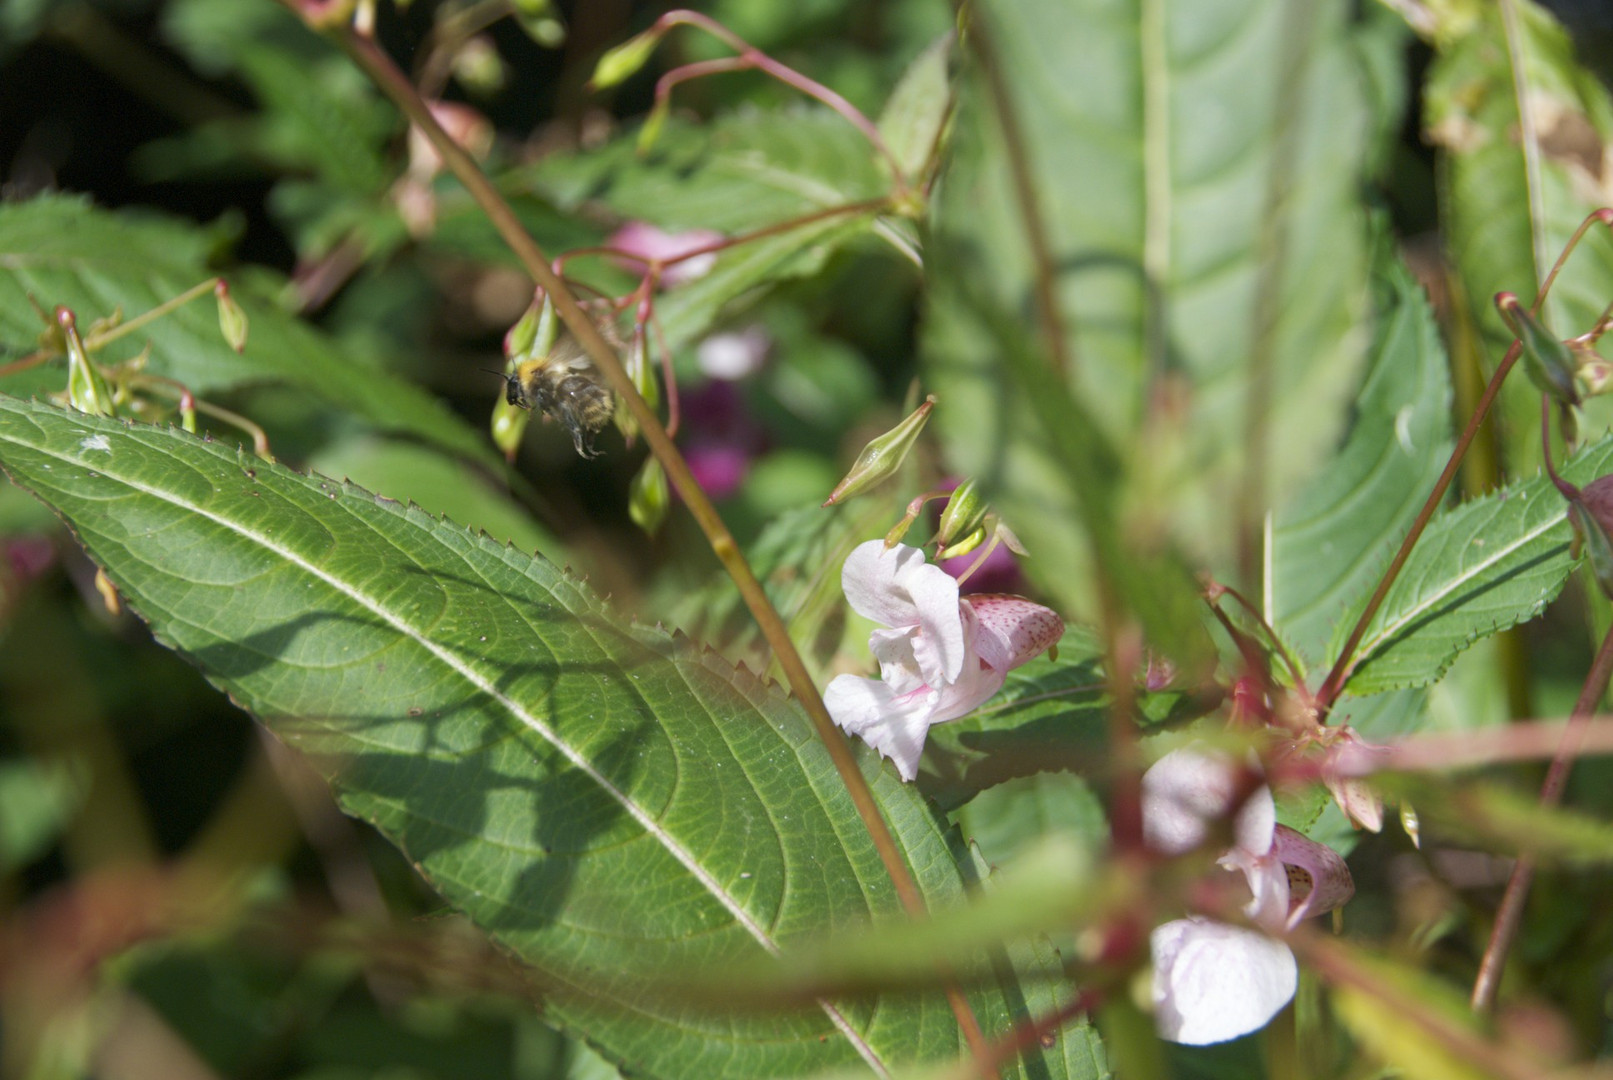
{"x": 646, "y": 241}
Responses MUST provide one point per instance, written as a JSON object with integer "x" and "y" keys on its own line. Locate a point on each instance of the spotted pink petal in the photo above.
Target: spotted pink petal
{"x": 1318, "y": 880}
{"x": 1013, "y": 630}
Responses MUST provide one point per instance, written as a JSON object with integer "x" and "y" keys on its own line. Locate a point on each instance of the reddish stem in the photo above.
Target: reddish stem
{"x": 1510, "y": 913}
{"x": 754, "y": 57}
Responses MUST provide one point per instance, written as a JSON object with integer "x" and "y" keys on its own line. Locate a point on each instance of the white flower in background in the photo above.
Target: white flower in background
{"x": 941, "y": 657}
{"x": 1214, "y": 981}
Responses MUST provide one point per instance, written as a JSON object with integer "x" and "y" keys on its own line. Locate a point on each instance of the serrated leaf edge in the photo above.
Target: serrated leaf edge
{"x": 469, "y": 673}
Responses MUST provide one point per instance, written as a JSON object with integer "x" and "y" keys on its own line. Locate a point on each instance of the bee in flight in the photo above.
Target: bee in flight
{"x": 565, "y": 385}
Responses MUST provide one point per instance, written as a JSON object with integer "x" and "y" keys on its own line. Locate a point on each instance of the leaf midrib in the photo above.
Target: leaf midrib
{"x": 470, "y": 675}
{"x": 1389, "y": 630}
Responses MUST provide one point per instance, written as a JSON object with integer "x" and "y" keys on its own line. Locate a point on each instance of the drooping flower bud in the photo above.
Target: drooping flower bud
{"x": 648, "y": 497}
{"x": 86, "y": 390}
{"x": 883, "y": 455}
{"x": 1593, "y": 376}
{"x": 618, "y": 64}
{"x": 1548, "y": 361}
{"x": 963, "y": 519}
{"x": 231, "y": 318}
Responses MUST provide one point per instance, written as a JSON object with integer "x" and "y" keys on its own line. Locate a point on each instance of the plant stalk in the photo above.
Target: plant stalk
{"x": 1510, "y": 913}
{"x": 395, "y": 85}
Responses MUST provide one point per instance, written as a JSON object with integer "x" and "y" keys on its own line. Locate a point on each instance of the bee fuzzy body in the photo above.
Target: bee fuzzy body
{"x": 566, "y": 386}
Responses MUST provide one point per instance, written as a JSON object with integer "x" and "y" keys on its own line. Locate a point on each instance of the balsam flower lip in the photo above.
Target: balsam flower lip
{"x": 1214, "y": 981}
{"x": 941, "y": 657}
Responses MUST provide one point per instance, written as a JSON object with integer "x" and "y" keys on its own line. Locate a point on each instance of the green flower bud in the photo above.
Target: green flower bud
{"x": 964, "y": 546}
{"x": 653, "y": 124}
{"x": 1549, "y": 362}
{"x": 231, "y": 319}
{"x": 648, "y": 497}
{"x": 1593, "y": 376}
{"x": 508, "y": 425}
{"x": 883, "y": 456}
{"x": 624, "y": 60}
{"x": 964, "y": 515}
{"x": 86, "y": 390}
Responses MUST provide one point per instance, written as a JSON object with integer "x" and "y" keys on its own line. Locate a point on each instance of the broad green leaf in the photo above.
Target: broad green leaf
{"x": 62, "y": 251}
{"x": 1332, "y": 543}
{"x": 1005, "y": 819}
{"x": 1489, "y": 564}
{"x": 608, "y": 802}
{"x": 911, "y": 121}
{"x": 1196, "y": 174}
{"x": 1051, "y": 715}
{"x": 688, "y": 311}
{"x": 1524, "y": 132}
{"x": 411, "y": 473}
{"x": 733, "y": 174}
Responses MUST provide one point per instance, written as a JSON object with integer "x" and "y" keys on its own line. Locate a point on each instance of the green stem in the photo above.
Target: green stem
{"x": 123, "y": 329}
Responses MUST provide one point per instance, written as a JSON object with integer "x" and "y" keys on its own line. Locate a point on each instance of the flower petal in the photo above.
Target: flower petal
{"x": 1318, "y": 879}
{"x": 1013, "y": 630}
{"x": 1214, "y": 982}
{"x": 897, "y": 588}
{"x": 894, "y": 724}
{"x": 1188, "y": 789}
{"x": 898, "y": 666}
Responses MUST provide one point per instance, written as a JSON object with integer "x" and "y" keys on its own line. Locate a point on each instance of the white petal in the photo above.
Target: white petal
{"x": 1214, "y": 982}
{"x": 869, "y": 580}
{"x": 946, "y": 628}
{"x": 974, "y": 688}
{"x": 898, "y": 666}
{"x": 1186, "y": 790}
{"x": 1268, "y": 887}
{"x": 893, "y": 724}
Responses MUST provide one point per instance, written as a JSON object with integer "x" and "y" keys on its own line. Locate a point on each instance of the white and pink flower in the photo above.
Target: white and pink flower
{"x": 1214, "y": 981}
{"x": 941, "y": 657}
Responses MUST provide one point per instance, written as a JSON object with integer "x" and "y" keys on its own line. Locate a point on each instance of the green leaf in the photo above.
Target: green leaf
{"x": 1049, "y": 716}
{"x": 36, "y": 802}
{"x": 1489, "y": 564}
{"x": 736, "y": 173}
{"x": 687, "y": 312}
{"x": 1519, "y": 179}
{"x": 60, "y": 250}
{"x": 911, "y": 121}
{"x": 608, "y": 802}
{"x": 411, "y": 473}
{"x": 1197, "y": 181}
{"x": 1331, "y": 544}
{"x": 1006, "y": 819}
{"x": 1387, "y": 1015}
